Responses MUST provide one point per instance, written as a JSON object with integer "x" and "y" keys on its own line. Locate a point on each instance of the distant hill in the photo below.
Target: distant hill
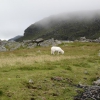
{"x": 15, "y": 38}
{"x": 66, "y": 26}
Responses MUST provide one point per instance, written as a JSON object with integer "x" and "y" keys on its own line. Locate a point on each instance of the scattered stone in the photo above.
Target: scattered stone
{"x": 57, "y": 78}
{"x": 31, "y": 81}
{"x": 97, "y": 82}
{"x": 86, "y": 72}
{"x": 31, "y": 86}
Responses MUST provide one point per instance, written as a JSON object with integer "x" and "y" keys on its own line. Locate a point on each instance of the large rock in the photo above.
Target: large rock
{"x": 12, "y": 45}
{"x": 27, "y": 41}
{"x": 58, "y": 42}
{"x": 31, "y": 45}
{"x": 2, "y": 48}
{"x": 52, "y": 42}
{"x": 47, "y": 42}
{"x": 97, "y": 82}
{"x": 39, "y": 40}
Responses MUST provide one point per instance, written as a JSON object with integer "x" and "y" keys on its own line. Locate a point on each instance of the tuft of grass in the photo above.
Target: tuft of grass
{"x": 68, "y": 68}
{"x": 82, "y": 64}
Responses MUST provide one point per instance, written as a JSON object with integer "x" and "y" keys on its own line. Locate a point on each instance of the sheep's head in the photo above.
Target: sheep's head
{"x": 62, "y": 51}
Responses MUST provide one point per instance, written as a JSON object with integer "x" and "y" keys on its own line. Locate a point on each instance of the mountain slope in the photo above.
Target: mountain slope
{"x": 15, "y": 38}
{"x": 64, "y": 26}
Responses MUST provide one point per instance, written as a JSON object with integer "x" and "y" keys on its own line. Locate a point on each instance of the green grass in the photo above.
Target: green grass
{"x": 79, "y": 64}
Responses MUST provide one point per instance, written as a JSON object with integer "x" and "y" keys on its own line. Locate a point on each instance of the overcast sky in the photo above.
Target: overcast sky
{"x": 17, "y": 15}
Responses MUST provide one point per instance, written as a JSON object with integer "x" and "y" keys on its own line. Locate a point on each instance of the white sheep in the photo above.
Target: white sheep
{"x": 56, "y": 49}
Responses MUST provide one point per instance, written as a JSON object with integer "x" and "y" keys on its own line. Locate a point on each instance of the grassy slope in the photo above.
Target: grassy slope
{"x": 18, "y": 67}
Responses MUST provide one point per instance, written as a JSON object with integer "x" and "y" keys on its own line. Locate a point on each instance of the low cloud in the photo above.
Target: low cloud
{"x": 17, "y": 15}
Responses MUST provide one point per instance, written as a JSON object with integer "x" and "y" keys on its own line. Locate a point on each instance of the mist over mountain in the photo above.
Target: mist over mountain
{"x": 65, "y": 26}
{"x": 15, "y": 38}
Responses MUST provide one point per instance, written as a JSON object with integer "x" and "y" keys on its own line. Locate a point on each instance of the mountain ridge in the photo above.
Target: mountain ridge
{"x": 66, "y": 26}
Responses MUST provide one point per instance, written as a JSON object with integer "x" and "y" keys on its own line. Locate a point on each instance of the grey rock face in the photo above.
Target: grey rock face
{"x": 27, "y": 41}
{"x": 2, "y": 48}
{"x": 12, "y": 45}
{"x": 32, "y": 45}
{"x": 50, "y": 42}
{"x": 47, "y": 43}
{"x": 39, "y": 40}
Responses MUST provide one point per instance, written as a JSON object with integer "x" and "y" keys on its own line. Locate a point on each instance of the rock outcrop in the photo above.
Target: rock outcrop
{"x": 91, "y": 92}
{"x": 2, "y": 48}
{"x": 13, "y": 45}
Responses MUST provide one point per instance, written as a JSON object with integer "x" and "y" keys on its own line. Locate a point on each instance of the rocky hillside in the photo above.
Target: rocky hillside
{"x": 66, "y": 26}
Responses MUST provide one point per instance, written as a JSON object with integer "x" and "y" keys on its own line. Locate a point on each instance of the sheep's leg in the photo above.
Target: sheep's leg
{"x": 51, "y": 52}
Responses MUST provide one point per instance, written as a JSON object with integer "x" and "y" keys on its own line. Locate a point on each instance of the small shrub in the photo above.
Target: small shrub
{"x": 68, "y": 68}
{"x": 1, "y": 93}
